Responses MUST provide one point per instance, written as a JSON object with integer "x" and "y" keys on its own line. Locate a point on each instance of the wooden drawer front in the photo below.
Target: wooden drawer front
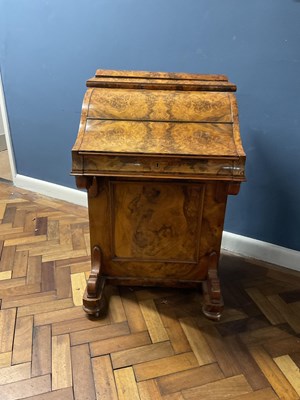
{"x": 166, "y": 138}
{"x": 120, "y": 165}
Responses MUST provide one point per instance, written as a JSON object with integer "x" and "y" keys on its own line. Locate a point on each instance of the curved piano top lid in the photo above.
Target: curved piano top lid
{"x": 120, "y": 116}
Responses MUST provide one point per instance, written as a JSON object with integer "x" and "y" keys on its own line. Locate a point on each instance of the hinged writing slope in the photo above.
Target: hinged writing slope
{"x": 158, "y": 154}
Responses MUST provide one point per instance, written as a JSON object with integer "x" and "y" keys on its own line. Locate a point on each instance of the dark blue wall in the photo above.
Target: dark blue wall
{"x": 49, "y": 48}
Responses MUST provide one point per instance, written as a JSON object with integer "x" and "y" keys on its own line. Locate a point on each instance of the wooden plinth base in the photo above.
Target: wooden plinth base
{"x": 94, "y": 301}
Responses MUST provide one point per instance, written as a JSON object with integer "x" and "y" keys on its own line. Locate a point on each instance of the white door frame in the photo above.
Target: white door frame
{"x": 10, "y": 150}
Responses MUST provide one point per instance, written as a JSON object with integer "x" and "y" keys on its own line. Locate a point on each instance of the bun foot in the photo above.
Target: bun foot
{"x": 213, "y": 304}
{"x": 212, "y": 314}
{"x": 97, "y": 304}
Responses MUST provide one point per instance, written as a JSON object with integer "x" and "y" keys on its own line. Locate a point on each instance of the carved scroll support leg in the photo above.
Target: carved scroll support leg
{"x": 212, "y": 297}
{"x": 93, "y": 298}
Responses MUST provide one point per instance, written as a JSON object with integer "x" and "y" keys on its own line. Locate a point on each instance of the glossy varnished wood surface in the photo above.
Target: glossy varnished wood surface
{"x": 156, "y": 83}
{"x": 161, "y": 167}
{"x": 158, "y": 138}
{"x": 133, "y": 121}
{"x": 160, "y": 105}
{"x": 156, "y": 230}
{"x": 160, "y": 75}
{"x": 153, "y": 341}
{"x": 177, "y": 137}
{"x": 156, "y": 221}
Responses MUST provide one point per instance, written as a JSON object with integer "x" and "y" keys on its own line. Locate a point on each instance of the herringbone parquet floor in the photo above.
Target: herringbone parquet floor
{"x": 153, "y": 343}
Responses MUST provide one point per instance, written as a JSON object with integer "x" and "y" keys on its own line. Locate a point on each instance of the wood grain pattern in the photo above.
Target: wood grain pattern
{"x": 34, "y": 271}
{"x": 153, "y": 321}
{"x": 15, "y": 373}
{"x": 175, "y": 332}
{"x": 220, "y": 169}
{"x": 116, "y": 310}
{"x": 281, "y": 346}
{"x": 7, "y": 326}
{"x": 83, "y": 381}
{"x": 22, "y": 340}
{"x": 104, "y": 379}
{"x": 191, "y": 378}
{"x": 159, "y": 114}
{"x": 197, "y": 342}
{"x": 227, "y": 363}
{"x": 61, "y": 362}
{"x": 25, "y": 300}
{"x": 263, "y": 394}
{"x": 78, "y": 324}
{"x": 26, "y": 388}
{"x": 51, "y": 317}
{"x": 148, "y": 390}
{"x": 233, "y": 387}
{"x": 125, "y": 358}
{"x": 5, "y": 275}
{"x": 159, "y": 138}
{"x": 62, "y": 394}
{"x": 126, "y": 384}
{"x": 78, "y": 287}
{"x": 244, "y": 362}
{"x": 263, "y": 356}
{"x": 132, "y": 311}
{"x": 146, "y": 231}
{"x": 156, "y": 221}
{"x": 20, "y": 264}
{"x": 159, "y": 106}
{"x": 44, "y": 306}
{"x": 41, "y": 351}
{"x": 165, "y": 366}
{"x": 160, "y": 75}
{"x": 266, "y": 307}
{"x": 5, "y": 359}
{"x": 103, "y": 332}
{"x": 63, "y": 282}
{"x": 125, "y": 342}
{"x": 274, "y": 375}
{"x": 290, "y": 370}
{"x": 287, "y": 312}
{"x": 162, "y": 84}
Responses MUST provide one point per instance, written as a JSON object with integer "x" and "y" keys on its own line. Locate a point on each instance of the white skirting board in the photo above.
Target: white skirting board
{"x": 259, "y": 250}
{"x": 51, "y": 189}
{"x": 242, "y": 245}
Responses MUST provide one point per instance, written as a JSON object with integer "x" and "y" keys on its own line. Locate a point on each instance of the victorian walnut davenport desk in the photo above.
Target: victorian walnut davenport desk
{"x": 158, "y": 154}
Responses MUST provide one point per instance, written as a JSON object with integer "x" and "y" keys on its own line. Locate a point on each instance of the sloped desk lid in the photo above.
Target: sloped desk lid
{"x": 159, "y": 114}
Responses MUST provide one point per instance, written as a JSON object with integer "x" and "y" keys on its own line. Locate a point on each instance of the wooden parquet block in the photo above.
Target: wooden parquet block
{"x": 153, "y": 321}
{"x": 83, "y": 380}
{"x": 125, "y": 358}
{"x": 290, "y": 370}
{"x": 61, "y": 362}
{"x": 7, "y": 327}
{"x": 104, "y": 378}
{"x": 126, "y": 342}
{"x": 41, "y": 351}
{"x": 126, "y": 384}
{"x": 277, "y": 379}
{"x": 188, "y": 379}
{"x": 149, "y": 390}
{"x": 196, "y": 339}
{"x": 165, "y": 366}
{"x": 230, "y": 388}
{"x": 151, "y": 343}
{"x": 22, "y": 340}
